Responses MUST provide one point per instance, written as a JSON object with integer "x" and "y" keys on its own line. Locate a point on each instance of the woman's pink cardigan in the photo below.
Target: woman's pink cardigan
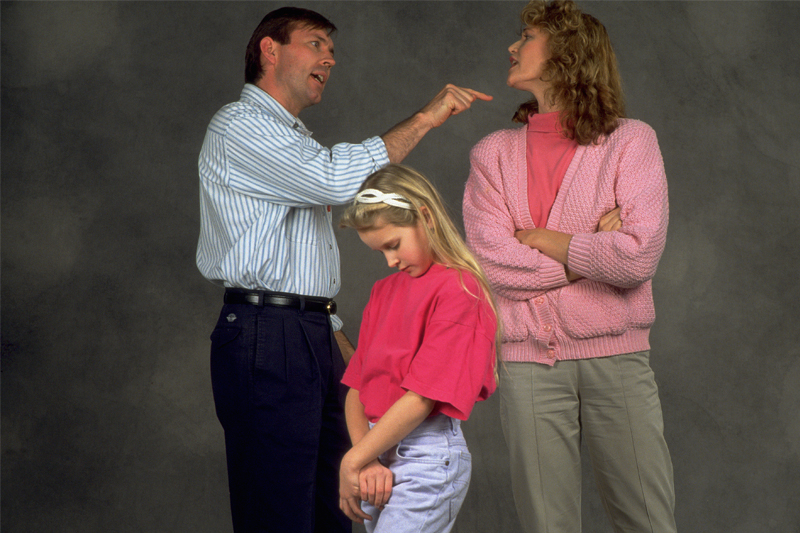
{"x": 609, "y": 311}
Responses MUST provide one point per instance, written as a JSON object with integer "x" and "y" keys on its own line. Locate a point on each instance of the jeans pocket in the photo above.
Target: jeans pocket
{"x": 411, "y": 449}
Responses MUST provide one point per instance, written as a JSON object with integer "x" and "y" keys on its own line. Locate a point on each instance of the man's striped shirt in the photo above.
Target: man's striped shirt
{"x": 265, "y": 193}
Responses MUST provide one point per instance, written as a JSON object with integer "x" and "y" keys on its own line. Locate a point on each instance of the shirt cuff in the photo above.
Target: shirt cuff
{"x": 377, "y": 150}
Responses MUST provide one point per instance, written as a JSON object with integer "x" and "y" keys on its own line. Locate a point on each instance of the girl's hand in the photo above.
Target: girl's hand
{"x": 350, "y": 491}
{"x": 376, "y": 483}
{"x": 402, "y": 417}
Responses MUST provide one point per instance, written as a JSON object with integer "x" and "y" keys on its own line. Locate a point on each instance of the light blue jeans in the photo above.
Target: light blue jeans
{"x": 432, "y": 468}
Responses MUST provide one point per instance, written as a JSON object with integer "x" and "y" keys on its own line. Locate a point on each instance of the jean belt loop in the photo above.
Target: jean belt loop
{"x": 302, "y": 304}
{"x": 260, "y": 298}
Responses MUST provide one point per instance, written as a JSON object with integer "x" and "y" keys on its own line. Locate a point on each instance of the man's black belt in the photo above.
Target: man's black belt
{"x": 280, "y": 299}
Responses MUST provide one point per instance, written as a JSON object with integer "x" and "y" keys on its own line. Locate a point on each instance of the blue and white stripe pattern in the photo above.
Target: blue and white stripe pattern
{"x": 265, "y": 191}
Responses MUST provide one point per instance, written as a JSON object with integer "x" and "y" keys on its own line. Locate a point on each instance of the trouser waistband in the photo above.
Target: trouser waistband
{"x": 279, "y": 299}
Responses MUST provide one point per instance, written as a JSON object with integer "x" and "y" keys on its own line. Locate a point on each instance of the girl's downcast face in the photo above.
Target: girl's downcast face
{"x": 404, "y": 247}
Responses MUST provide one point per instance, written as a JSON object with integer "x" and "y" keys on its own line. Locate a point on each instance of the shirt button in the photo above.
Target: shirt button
{"x": 551, "y": 354}
{"x": 548, "y": 328}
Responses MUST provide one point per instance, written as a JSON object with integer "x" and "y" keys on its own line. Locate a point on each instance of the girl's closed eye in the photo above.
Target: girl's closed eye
{"x": 406, "y": 247}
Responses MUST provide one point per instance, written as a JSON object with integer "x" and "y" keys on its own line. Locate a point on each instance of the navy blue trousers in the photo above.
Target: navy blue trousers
{"x": 276, "y": 376}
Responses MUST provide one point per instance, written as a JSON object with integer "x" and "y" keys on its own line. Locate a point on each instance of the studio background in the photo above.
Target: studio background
{"x": 108, "y": 421}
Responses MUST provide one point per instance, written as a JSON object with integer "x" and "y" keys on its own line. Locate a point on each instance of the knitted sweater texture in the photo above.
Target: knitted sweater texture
{"x": 610, "y": 310}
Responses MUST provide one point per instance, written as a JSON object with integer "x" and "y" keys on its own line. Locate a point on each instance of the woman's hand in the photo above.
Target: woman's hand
{"x": 610, "y": 221}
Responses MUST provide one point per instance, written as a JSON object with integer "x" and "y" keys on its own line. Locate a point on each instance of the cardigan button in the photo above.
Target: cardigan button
{"x": 551, "y": 354}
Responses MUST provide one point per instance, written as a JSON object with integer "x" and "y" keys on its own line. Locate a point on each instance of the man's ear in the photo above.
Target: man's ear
{"x": 269, "y": 49}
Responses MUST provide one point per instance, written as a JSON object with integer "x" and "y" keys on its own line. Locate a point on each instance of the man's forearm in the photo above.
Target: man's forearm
{"x": 402, "y": 138}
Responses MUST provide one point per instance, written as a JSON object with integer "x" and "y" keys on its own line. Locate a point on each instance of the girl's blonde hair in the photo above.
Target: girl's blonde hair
{"x": 582, "y": 71}
{"x": 447, "y": 246}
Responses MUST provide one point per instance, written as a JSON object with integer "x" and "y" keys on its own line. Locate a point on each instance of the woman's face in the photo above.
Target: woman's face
{"x": 528, "y": 57}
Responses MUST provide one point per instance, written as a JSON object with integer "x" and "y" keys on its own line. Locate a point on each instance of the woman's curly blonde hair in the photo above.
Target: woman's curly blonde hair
{"x": 582, "y": 71}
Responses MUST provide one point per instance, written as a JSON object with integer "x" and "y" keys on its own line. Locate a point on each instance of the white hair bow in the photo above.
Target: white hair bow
{"x": 374, "y": 196}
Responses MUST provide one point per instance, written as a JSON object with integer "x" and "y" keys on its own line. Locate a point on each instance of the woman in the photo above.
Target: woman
{"x": 568, "y": 217}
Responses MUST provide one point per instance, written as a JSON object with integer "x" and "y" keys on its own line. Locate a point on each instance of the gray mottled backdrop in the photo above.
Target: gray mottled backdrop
{"x": 107, "y": 418}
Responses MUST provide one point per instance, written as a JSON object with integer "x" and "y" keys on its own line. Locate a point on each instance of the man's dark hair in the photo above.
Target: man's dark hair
{"x": 279, "y": 25}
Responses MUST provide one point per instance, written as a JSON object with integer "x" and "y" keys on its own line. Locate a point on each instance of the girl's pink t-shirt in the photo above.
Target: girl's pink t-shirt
{"x": 549, "y": 154}
{"x": 426, "y": 335}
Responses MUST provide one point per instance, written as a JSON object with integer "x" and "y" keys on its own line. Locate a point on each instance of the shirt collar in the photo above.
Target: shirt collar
{"x": 256, "y": 96}
{"x": 545, "y": 122}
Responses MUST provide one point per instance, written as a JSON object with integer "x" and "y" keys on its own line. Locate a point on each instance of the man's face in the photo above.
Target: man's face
{"x": 302, "y": 68}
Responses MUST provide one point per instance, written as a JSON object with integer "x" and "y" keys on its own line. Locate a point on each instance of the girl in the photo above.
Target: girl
{"x": 568, "y": 215}
{"x": 426, "y": 354}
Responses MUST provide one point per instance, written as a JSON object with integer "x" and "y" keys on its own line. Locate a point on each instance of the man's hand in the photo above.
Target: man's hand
{"x": 345, "y": 346}
{"x": 376, "y": 483}
{"x": 450, "y": 101}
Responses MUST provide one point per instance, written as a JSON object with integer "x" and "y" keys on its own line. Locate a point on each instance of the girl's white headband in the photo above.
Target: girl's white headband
{"x": 374, "y": 196}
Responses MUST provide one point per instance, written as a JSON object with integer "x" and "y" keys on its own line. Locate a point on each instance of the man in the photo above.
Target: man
{"x": 265, "y": 193}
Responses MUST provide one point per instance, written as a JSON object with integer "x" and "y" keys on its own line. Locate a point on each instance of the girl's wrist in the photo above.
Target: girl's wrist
{"x": 353, "y": 461}
{"x": 347, "y": 464}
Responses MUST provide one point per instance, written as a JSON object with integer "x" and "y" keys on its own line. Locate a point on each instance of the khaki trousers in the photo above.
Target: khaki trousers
{"x": 612, "y": 402}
